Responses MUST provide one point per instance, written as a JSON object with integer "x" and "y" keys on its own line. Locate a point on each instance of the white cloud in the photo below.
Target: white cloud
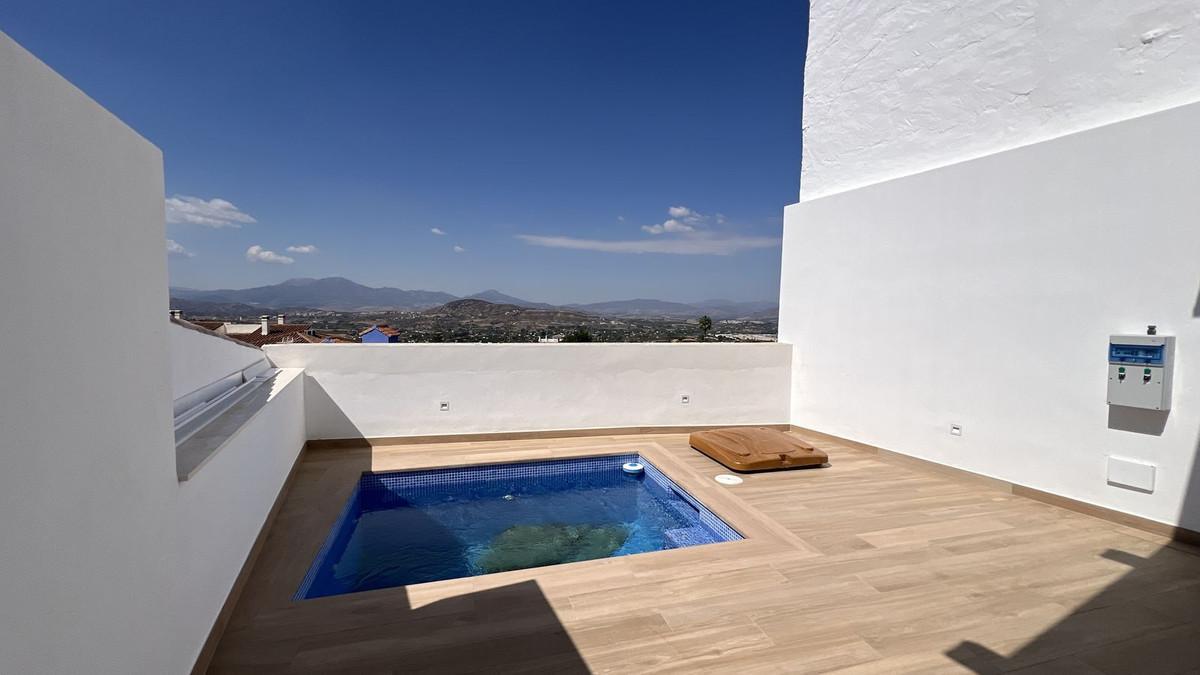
{"x": 176, "y": 249}
{"x": 682, "y": 219}
{"x": 693, "y": 236}
{"x": 257, "y": 253}
{"x": 303, "y": 248}
{"x": 670, "y": 225}
{"x": 214, "y": 212}
{"x": 697, "y": 245}
{"x": 620, "y": 219}
{"x": 459, "y": 249}
{"x": 438, "y": 231}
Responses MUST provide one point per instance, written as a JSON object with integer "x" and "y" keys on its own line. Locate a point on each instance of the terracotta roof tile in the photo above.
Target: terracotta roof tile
{"x": 383, "y": 328}
{"x": 286, "y": 333}
{"x": 195, "y": 325}
{"x": 211, "y": 325}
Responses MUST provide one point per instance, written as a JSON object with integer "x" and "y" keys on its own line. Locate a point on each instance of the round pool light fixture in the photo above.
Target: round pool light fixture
{"x": 633, "y": 468}
{"x": 728, "y": 479}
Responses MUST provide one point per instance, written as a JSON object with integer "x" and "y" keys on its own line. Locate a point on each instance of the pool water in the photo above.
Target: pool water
{"x": 402, "y": 528}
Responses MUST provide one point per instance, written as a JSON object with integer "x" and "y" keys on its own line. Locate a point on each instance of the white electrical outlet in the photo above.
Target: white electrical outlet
{"x": 444, "y": 406}
{"x": 684, "y": 399}
{"x": 956, "y": 430}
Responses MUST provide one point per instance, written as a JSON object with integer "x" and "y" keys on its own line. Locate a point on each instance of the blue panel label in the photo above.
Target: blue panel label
{"x": 1149, "y": 355}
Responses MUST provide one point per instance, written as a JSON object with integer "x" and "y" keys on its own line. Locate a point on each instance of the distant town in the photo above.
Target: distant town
{"x": 337, "y": 310}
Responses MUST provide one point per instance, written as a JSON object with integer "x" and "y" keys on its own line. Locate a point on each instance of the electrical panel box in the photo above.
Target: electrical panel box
{"x": 1139, "y": 371}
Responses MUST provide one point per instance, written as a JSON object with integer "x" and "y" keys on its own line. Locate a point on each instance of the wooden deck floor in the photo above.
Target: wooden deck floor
{"x": 870, "y": 565}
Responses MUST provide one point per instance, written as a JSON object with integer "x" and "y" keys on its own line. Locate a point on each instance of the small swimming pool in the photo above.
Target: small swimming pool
{"x": 411, "y": 527}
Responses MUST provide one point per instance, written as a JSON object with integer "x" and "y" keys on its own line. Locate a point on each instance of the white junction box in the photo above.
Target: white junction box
{"x": 1130, "y": 473}
{"x": 1139, "y": 371}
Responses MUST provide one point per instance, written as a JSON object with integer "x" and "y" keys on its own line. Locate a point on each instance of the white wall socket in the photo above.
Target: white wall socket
{"x": 956, "y": 430}
{"x": 444, "y": 406}
{"x": 684, "y": 399}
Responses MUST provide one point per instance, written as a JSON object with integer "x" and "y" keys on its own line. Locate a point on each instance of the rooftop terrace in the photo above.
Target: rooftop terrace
{"x": 875, "y": 564}
{"x": 946, "y": 307}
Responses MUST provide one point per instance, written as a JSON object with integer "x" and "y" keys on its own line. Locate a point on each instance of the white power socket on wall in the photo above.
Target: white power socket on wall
{"x": 956, "y": 430}
{"x": 444, "y": 406}
{"x": 684, "y": 399}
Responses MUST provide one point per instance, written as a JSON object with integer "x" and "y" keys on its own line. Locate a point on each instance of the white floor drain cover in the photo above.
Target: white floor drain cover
{"x": 728, "y": 479}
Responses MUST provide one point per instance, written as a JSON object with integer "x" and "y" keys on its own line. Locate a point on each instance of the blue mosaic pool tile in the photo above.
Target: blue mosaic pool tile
{"x": 414, "y": 479}
{"x": 353, "y": 504}
{"x": 387, "y": 489}
{"x": 495, "y": 471}
{"x": 393, "y": 489}
{"x": 690, "y": 536}
{"x": 716, "y": 526}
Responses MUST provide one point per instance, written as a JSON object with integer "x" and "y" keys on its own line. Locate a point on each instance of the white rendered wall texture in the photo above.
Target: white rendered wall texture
{"x": 983, "y": 294}
{"x": 901, "y": 86}
{"x": 222, "y": 508}
{"x": 86, "y": 419}
{"x": 198, "y": 359}
{"x": 386, "y": 390}
{"x": 109, "y": 564}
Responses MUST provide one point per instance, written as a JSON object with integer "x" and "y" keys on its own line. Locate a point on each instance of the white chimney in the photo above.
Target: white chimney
{"x": 280, "y": 320}
{"x": 266, "y": 324}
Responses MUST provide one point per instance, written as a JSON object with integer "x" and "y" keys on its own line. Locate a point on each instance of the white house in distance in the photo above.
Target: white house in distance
{"x": 993, "y": 193}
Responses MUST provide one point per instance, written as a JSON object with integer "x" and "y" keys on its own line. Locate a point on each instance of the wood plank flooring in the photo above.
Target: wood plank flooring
{"x": 867, "y": 566}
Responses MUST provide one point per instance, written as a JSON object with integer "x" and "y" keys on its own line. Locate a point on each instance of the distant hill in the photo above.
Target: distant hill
{"x": 224, "y": 310}
{"x": 481, "y": 311}
{"x": 492, "y": 295}
{"x": 733, "y": 309}
{"x": 332, "y": 293}
{"x": 641, "y": 307}
{"x": 717, "y": 309}
{"x": 342, "y": 295}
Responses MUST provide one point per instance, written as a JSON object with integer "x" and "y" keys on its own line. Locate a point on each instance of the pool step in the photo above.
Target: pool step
{"x": 688, "y": 536}
{"x": 682, "y": 510}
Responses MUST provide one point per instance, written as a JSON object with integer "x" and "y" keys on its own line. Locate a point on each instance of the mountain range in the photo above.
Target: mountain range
{"x": 343, "y": 295}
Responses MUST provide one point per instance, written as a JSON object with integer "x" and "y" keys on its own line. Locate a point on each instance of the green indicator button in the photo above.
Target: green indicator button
{"x": 1146, "y": 371}
{"x": 1121, "y": 369}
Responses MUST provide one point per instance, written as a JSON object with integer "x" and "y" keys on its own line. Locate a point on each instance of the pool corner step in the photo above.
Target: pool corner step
{"x": 682, "y": 537}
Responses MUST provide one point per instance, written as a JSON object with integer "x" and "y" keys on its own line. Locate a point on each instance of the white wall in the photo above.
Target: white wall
{"x": 983, "y": 294}
{"x": 85, "y": 409}
{"x": 893, "y": 87}
{"x": 221, "y": 510}
{"x": 394, "y": 389}
{"x": 199, "y": 359}
{"x": 109, "y": 564}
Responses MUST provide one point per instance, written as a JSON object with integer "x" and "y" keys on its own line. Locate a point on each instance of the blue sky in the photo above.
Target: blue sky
{"x": 567, "y": 151}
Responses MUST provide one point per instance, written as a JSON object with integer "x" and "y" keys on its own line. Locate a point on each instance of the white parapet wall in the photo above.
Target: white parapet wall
{"x": 220, "y": 511}
{"x": 198, "y": 357}
{"x": 388, "y": 390}
{"x": 85, "y": 408}
{"x": 893, "y": 87}
{"x": 110, "y": 564}
{"x": 983, "y": 294}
